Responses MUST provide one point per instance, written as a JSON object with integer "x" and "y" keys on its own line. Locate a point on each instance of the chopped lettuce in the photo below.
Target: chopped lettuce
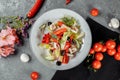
{"x": 64, "y": 39}
{"x": 78, "y": 43}
{"x": 49, "y": 57}
{"x": 46, "y": 46}
{"x": 79, "y": 35}
{"x": 56, "y": 53}
{"x": 52, "y": 56}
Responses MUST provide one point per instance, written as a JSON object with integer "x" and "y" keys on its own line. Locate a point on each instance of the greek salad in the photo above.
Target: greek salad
{"x": 63, "y": 39}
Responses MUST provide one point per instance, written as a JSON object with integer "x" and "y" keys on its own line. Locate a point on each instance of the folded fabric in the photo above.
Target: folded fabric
{"x": 110, "y": 68}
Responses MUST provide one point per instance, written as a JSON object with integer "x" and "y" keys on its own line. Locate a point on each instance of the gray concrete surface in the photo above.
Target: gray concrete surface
{"x": 12, "y": 68}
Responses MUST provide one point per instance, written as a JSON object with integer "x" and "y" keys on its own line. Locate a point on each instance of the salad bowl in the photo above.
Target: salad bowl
{"x": 36, "y": 37}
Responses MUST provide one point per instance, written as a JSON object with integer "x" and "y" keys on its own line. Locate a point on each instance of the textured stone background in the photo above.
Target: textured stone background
{"x": 12, "y": 68}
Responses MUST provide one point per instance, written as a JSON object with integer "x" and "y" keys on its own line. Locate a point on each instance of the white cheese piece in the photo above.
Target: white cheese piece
{"x": 52, "y": 27}
{"x": 24, "y": 57}
{"x": 72, "y": 50}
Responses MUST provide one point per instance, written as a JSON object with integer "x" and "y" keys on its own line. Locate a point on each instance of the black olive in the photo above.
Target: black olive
{"x": 68, "y": 38}
{"x": 73, "y": 41}
{"x": 51, "y": 51}
{"x": 58, "y": 63}
{"x": 49, "y": 23}
{"x": 62, "y": 52}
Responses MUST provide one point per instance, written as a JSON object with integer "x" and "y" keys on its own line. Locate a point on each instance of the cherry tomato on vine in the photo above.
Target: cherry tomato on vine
{"x": 110, "y": 44}
{"x": 34, "y": 75}
{"x": 118, "y": 48}
{"x": 96, "y": 64}
{"x": 94, "y": 12}
{"x": 111, "y": 52}
{"x": 104, "y": 49}
{"x": 97, "y": 47}
{"x": 117, "y": 56}
{"x": 92, "y": 51}
{"x": 99, "y": 56}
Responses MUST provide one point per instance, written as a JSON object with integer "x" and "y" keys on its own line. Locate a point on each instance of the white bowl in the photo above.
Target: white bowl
{"x": 35, "y": 38}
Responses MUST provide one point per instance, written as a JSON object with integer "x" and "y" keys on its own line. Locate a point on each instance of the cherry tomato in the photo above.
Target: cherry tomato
{"x": 68, "y": 1}
{"x": 65, "y": 59}
{"x": 99, "y": 56}
{"x": 96, "y": 64}
{"x": 34, "y": 75}
{"x": 110, "y": 44}
{"x": 94, "y": 12}
{"x": 104, "y": 49}
{"x": 111, "y": 52}
{"x": 117, "y": 56}
{"x": 33, "y": 79}
{"x": 118, "y": 48}
{"x": 97, "y": 47}
{"x": 91, "y": 51}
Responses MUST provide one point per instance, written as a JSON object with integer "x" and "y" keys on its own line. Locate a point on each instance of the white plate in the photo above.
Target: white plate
{"x": 52, "y": 15}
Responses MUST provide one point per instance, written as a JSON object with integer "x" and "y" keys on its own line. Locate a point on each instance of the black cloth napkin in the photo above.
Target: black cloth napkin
{"x": 110, "y": 68}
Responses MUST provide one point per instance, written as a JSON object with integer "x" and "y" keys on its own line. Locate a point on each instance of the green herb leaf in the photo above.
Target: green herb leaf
{"x": 69, "y": 21}
{"x": 54, "y": 36}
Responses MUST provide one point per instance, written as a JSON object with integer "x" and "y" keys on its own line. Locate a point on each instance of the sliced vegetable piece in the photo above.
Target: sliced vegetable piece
{"x": 57, "y": 53}
{"x": 54, "y": 40}
{"x": 42, "y": 28}
{"x": 65, "y": 59}
{"x": 46, "y": 38}
{"x": 60, "y": 23}
{"x": 62, "y": 30}
{"x": 80, "y": 35}
{"x": 67, "y": 46}
{"x": 46, "y": 46}
{"x": 77, "y": 44}
{"x": 64, "y": 39}
{"x": 49, "y": 57}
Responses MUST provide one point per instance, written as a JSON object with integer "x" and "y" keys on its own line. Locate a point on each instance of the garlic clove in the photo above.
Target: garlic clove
{"x": 24, "y": 58}
{"x": 115, "y": 23}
